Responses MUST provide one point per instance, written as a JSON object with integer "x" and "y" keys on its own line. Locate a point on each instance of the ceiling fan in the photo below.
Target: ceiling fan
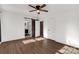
{"x": 38, "y": 8}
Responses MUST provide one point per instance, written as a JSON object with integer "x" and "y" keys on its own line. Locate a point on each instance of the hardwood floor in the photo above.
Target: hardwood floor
{"x": 36, "y": 46}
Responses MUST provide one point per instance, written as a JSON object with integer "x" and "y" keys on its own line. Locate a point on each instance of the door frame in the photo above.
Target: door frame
{"x": 41, "y": 28}
{"x": 33, "y": 27}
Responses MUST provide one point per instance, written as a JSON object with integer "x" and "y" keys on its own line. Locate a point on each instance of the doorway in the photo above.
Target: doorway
{"x": 33, "y": 28}
{"x": 27, "y": 28}
{"x": 41, "y": 28}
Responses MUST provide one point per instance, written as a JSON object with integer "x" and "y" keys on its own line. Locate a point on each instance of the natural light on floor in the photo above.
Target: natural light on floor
{"x": 32, "y": 40}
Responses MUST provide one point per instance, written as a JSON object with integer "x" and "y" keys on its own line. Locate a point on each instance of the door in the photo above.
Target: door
{"x": 41, "y": 28}
{"x": 0, "y": 30}
{"x": 33, "y": 28}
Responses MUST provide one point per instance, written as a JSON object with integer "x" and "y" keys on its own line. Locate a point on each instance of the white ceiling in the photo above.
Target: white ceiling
{"x": 53, "y": 9}
{"x": 21, "y": 8}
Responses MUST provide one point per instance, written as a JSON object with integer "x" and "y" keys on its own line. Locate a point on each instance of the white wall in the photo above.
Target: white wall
{"x": 68, "y": 31}
{"x": 62, "y": 24}
{"x": 37, "y": 28}
{"x": 12, "y": 26}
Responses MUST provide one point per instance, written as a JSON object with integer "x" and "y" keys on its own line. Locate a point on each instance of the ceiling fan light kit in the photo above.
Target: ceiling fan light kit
{"x": 38, "y": 11}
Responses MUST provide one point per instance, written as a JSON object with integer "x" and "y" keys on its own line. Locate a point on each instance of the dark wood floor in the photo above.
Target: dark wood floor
{"x": 36, "y": 46}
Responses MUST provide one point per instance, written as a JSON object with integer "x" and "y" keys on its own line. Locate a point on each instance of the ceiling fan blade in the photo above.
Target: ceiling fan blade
{"x": 44, "y": 10}
{"x": 31, "y": 6}
{"x": 32, "y": 10}
{"x": 43, "y": 5}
